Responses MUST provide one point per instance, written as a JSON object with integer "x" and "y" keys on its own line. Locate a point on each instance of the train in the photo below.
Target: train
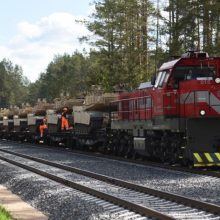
{"x": 174, "y": 118}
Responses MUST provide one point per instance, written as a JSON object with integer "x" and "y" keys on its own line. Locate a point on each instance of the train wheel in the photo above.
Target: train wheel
{"x": 105, "y": 148}
{"x": 130, "y": 149}
{"x": 123, "y": 146}
{"x": 116, "y": 144}
{"x": 116, "y": 149}
{"x": 69, "y": 143}
{"x": 78, "y": 144}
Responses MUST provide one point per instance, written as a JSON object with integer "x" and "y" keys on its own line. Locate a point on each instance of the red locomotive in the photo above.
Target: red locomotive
{"x": 175, "y": 118}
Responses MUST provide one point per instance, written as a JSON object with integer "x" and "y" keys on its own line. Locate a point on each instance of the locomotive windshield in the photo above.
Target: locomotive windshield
{"x": 181, "y": 73}
{"x": 199, "y": 72}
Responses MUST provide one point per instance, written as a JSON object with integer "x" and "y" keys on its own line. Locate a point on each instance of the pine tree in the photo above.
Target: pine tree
{"x": 122, "y": 35}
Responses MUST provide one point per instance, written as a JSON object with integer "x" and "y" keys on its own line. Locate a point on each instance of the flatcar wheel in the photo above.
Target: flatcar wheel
{"x": 109, "y": 143}
{"x": 121, "y": 150}
{"x": 116, "y": 146}
{"x": 116, "y": 149}
{"x": 167, "y": 155}
{"x": 130, "y": 149}
{"x": 135, "y": 155}
{"x": 163, "y": 156}
{"x": 104, "y": 149}
{"x": 81, "y": 146}
{"x": 69, "y": 142}
{"x": 51, "y": 142}
{"x": 122, "y": 147}
{"x": 107, "y": 149}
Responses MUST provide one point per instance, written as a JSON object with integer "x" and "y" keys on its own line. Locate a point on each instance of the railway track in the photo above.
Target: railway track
{"x": 205, "y": 171}
{"x": 139, "y": 199}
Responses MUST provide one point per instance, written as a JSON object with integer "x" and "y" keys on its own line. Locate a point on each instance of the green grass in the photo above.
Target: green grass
{"x": 4, "y": 215}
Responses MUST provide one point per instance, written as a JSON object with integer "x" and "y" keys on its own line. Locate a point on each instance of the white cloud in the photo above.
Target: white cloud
{"x": 29, "y": 30}
{"x": 35, "y": 44}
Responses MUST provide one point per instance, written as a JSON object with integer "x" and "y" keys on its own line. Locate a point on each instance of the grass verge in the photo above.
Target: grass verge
{"x": 4, "y": 215}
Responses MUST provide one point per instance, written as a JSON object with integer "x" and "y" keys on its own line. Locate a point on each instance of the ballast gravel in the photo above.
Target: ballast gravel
{"x": 56, "y": 201}
{"x": 199, "y": 187}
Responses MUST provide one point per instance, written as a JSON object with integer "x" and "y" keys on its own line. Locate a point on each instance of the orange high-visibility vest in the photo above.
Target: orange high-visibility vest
{"x": 42, "y": 127}
{"x": 64, "y": 123}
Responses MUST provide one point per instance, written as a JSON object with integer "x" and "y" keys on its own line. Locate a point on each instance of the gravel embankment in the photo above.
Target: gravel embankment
{"x": 53, "y": 199}
{"x": 173, "y": 209}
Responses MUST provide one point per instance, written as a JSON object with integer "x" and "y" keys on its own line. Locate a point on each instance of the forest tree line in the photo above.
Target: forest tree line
{"x": 130, "y": 39}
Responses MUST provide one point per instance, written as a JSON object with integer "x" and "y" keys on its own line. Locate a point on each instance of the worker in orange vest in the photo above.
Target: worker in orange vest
{"x": 43, "y": 127}
{"x": 64, "y": 120}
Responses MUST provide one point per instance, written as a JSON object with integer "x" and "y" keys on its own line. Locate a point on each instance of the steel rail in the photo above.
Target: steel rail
{"x": 111, "y": 157}
{"x": 149, "y": 163}
{"x": 115, "y": 200}
{"x": 146, "y": 163}
{"x": 212, "y": 208}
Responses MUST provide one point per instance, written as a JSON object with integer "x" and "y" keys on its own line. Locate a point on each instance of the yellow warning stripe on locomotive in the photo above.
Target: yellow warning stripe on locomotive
{"x": 206, "y": 164}
{"x": 206, "y": 159}
{"x": 198, "y": 158}
{"x": 217, "y": 155}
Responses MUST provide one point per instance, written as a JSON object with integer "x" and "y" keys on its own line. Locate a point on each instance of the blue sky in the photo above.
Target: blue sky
{"x": 33, "y": 31}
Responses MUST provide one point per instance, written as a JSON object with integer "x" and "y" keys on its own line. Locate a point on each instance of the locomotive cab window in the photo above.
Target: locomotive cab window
{"x": 161, "y": 79}
{"x": 194, "y": 72}
{"x": 181, "y": 73}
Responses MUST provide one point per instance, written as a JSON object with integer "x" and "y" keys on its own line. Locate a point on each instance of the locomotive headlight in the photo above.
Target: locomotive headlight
{"x": 217, "y": 80}
{"x": 202, "y": 112}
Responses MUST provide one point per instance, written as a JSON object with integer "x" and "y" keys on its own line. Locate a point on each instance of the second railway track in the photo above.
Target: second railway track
{"x": 200, "y": 171}
{"x": 142, "y": 200}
